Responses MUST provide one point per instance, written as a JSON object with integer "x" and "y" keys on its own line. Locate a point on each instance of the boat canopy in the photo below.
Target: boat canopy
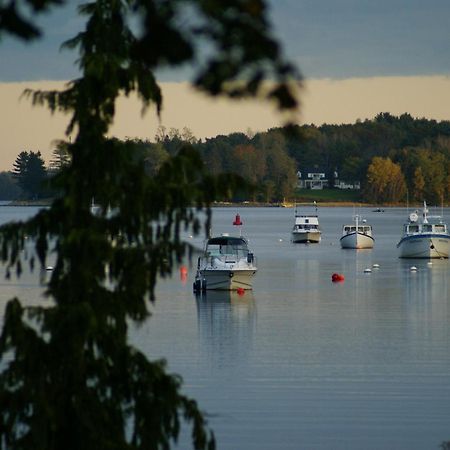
{"x": 226, "y": 245}
{"x": 227, "y": 240}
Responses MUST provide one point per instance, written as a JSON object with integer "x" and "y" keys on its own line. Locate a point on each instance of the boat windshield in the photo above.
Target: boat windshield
{"x": 227, "y": 246}
{"x": 361, "y": 228}
{"x": 440, "y": 228}
{"x": 306, "y": 227}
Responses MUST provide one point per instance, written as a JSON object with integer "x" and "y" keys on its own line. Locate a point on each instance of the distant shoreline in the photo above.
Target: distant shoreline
{"x": 26, "y": 202}
{"x": 381, "y": 207}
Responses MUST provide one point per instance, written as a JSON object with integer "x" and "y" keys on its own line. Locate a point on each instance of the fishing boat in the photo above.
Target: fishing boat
{"x": 306, "y": 227}
{"x": 358, "y": 234}
{"x": 226, "y": 263}
{"x": 424, "y": 237}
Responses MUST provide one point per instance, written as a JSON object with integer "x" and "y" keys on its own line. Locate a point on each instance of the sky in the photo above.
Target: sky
{"x": 358, "y": 58}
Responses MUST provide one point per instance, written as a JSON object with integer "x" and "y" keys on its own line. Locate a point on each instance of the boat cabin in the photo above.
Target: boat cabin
{"x": 306, "y": 223}
{"x": 365, "y": 229}
{"x": 414, "y": 228}
{"x": 227, "y": 246}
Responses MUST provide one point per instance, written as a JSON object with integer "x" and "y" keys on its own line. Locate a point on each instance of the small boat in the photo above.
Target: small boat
{"x": 306, "y": 228}
{"x": 226, "y": 263}
{"x": 358, "y": 234}
{"x": 425, "y": 237}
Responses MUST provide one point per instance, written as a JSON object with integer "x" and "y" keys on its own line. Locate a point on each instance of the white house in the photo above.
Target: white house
{"x": 316, "y": 178}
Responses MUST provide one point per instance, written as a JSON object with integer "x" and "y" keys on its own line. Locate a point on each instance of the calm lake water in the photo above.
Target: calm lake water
{"x": 301, "y": 362}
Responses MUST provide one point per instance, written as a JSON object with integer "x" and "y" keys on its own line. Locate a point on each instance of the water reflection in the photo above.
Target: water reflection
{"x": 424, "y": 291}
{"x": 424, "y": 280}
{"x": 226, "y": 323}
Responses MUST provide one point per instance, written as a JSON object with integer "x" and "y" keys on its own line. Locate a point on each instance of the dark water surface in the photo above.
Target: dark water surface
{"x": 301, "y": 362}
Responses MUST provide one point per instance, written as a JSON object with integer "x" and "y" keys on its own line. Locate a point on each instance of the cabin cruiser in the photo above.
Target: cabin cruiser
{"x": 306, "y": 228}
{"x": 226, "y": 263}
{"x": 358, "y": 234}
{"x": 425, "y": 237}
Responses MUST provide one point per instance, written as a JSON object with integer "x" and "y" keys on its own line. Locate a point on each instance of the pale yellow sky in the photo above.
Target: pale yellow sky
{"x": 23, "y": 127}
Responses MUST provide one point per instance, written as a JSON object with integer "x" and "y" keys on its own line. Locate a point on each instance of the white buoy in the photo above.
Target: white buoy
{"x": 376, "y": 266}
{"x": 281, "y": 240}
{"x": 429, "y": 263}
{"x": 413, "y": 268}
{"x": 190, "y": 236}
{"x": 367, "y": 270}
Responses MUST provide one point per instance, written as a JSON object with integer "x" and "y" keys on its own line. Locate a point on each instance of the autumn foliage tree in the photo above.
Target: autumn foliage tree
{"x": 385, "y": 181}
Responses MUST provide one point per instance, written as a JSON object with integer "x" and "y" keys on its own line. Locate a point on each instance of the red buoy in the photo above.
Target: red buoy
{"x": 237, "y": 220}
{"x": 240, "y": 291}
{"x": 336, "y": 277}
{"x": 183, "y": 274}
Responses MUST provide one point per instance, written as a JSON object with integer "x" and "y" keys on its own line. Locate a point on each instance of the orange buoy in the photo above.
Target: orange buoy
{"x": 183, "y": 274}
{"x": 336, "y": 277}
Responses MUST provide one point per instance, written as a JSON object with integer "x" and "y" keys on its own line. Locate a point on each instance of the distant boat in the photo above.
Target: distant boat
{"x": 425, "y": 237}
{"x": 378, "y": 210}
{"x": 226, "y": 263}
{"x": 358, "y": 234}
{"x": 285, "y": 204}
{"x": 306, "y": 227}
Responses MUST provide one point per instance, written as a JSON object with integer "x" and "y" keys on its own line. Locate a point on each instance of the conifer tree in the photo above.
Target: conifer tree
{"x": 70, "y": 378}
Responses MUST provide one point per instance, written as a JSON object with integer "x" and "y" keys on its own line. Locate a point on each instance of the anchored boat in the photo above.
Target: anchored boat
{"x": 425, "y": 237}
{"x": 226, "y": 263}
{"x": 358, "y": 234}
{"x": 306, "y": 228}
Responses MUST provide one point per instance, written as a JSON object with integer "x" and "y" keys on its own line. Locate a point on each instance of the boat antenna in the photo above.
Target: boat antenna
{"x": 425, "y": 212}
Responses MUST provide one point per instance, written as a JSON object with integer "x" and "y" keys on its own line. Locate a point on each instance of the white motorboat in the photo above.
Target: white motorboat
{"x": 358, "y": 234}
{"x": 226, "y": 264}
{"x": 306, "y": 228}
{"x": 425, "y": 237}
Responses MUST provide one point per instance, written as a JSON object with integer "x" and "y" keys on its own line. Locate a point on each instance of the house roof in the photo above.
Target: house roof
{"x": 305, "y": 171}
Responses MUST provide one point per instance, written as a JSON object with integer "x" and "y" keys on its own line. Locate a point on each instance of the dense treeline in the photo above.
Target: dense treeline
{"x": 390, "y": 156}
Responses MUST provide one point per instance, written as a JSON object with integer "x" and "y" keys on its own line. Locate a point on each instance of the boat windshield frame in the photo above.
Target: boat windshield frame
{"x": 227, "y": 246}
{"x": 430, "y": 228}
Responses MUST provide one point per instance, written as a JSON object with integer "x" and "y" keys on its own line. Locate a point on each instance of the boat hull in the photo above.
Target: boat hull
{"x": 225, "y": 279}
{"x": 424, "y": 246}
{"x": 357, "y": 240}
{"x": 299, "y": 237}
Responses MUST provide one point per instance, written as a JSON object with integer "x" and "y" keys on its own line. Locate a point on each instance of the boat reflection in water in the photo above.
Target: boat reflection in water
{"x": 425, "y": 287}
{"x": 226, "y": 322}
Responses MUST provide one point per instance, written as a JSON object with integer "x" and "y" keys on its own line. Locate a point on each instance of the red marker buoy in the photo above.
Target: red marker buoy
{"x": 237, "y": 220}
{"x": 240, "y": 291}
